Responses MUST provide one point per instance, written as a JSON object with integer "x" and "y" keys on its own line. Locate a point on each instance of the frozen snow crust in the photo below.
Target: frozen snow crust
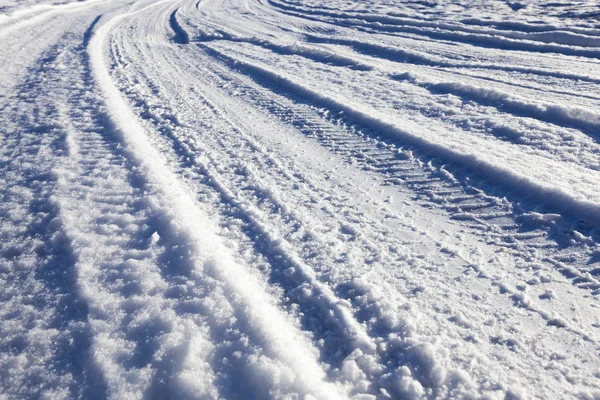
{"x": 299, "y": 199}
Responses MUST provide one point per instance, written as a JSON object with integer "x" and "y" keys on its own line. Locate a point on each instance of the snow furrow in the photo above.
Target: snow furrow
{"x": 309, "y": 52}
{"x": 187, "y": 153}
{"x": 580, "y": 151}
{"x": 501, "y": 214}
{"x": 419, "y": 58}
{"x": 574, "y": 203}
{"x": 298, "y": 280}
{"x": 289, "y": 271}
{"x": 473, "y": 39}
{"x": 210, "y": 261}
{"x": 356, "y": 357}
{"x": 57, "y": 336}
{"x": 546, "y": 34}
{"x": 299, "y": 199}
{"x": 181, "y": 36}
{"x": 584, "y": 120}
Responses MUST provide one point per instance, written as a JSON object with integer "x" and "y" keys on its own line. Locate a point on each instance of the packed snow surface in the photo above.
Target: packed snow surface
{"x": 305, "y": 199}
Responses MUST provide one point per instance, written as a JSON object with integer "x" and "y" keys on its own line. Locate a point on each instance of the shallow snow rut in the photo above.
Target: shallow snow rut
{"x": 500, "y": 214}
{"x": 138, "y": 313}
{"x": 43, "y": 319}
{"x": 241, "y": 196}
{"x": 236, "y": 304}
{"x": 277, "y": 199}
{"x": 580, "y": 152}
{"x": 557, "y": 42}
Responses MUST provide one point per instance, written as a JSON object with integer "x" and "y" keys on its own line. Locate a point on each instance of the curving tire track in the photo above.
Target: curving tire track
{"x": 280, "y": 199}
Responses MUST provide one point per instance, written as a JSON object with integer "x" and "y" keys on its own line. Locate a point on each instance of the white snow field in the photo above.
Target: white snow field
{"x": 299, "y": 199}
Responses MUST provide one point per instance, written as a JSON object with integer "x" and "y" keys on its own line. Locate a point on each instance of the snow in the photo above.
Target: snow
{"x": 299, "y": 199}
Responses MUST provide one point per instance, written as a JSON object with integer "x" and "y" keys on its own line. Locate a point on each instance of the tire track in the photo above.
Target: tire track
{"x": 508, "y": 105}
{"x": 503, "y": 214}
{"x": 45, "y": 331}
{"x": 188, "y": 147}
{"x": 446, "y": 32}
{"x": 213, "y": 267}
{"x": 327, "y": 317}
{"x": 400, "y": 55}
{"x": 179, "y": 221}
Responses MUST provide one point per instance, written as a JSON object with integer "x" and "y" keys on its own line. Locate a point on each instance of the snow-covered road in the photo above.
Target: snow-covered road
{"x": 299, "y": 199}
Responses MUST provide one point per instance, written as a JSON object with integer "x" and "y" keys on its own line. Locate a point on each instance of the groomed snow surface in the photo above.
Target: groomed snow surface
{"x": 299, "y": 199}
